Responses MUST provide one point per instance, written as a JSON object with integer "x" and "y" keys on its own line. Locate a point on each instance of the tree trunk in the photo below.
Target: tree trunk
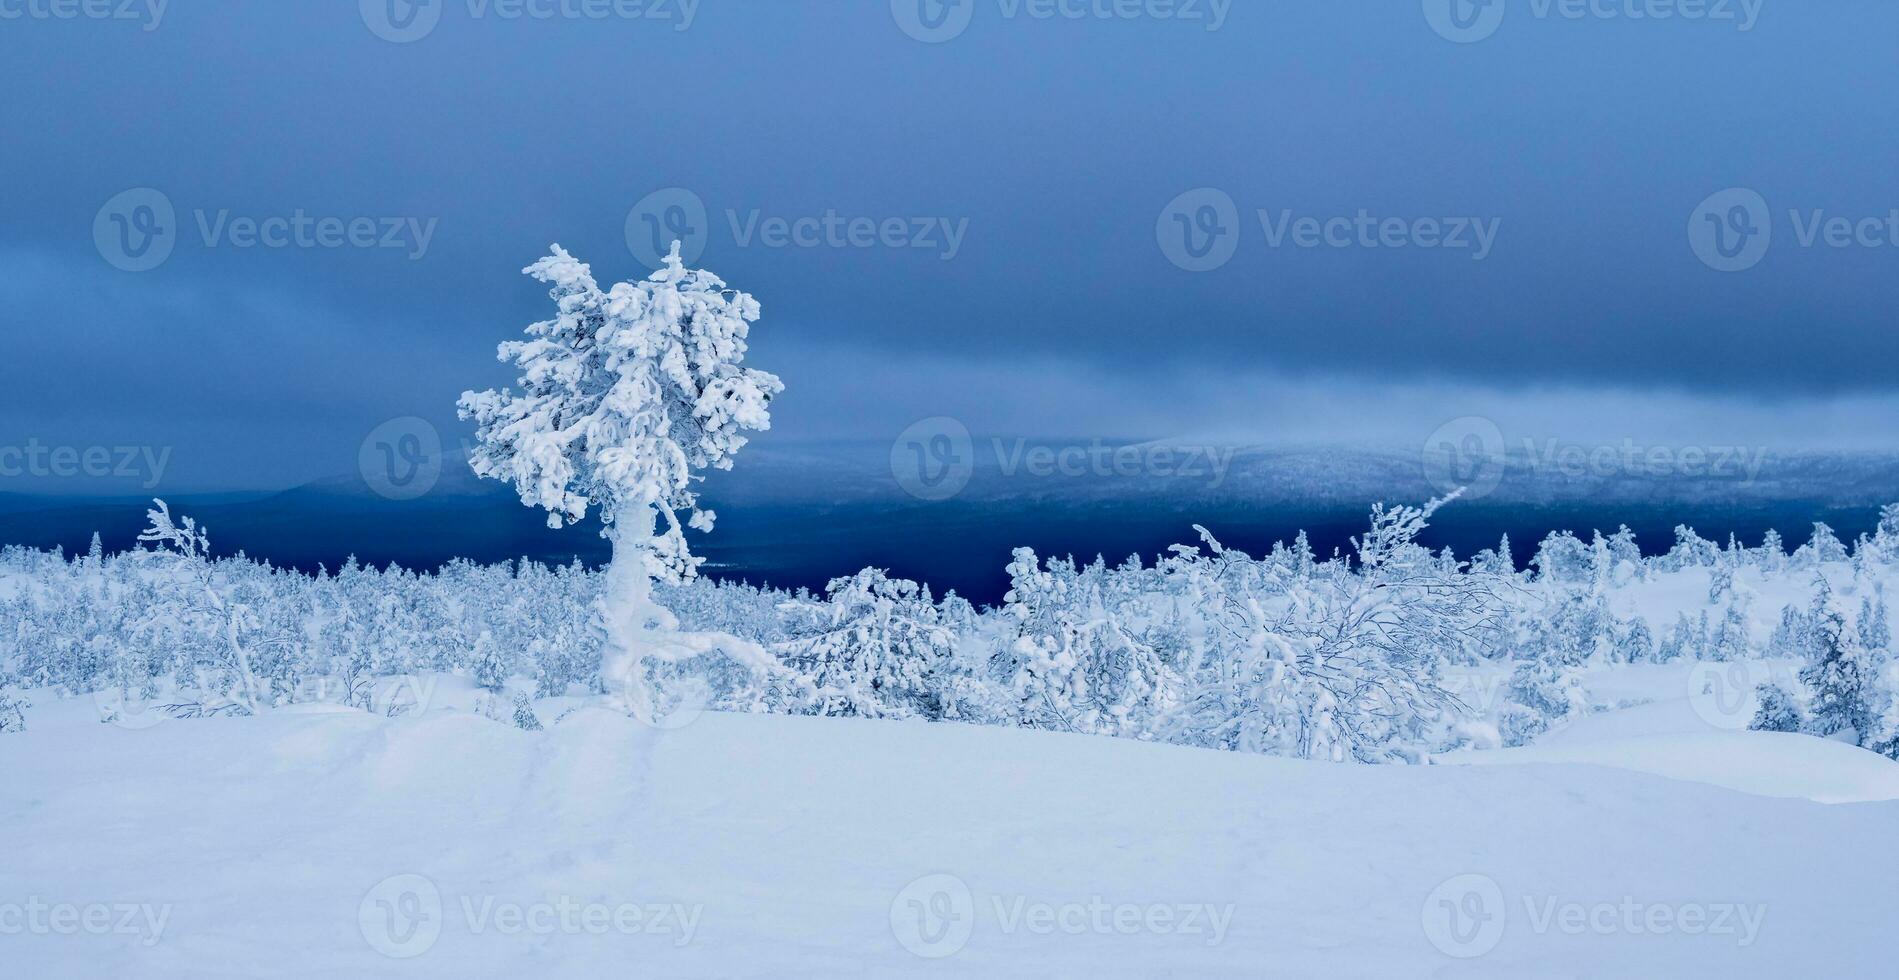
{"x": 628, "y": 615}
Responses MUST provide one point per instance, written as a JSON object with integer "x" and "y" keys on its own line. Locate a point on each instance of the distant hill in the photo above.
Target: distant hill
{"x": 803, "y": 514}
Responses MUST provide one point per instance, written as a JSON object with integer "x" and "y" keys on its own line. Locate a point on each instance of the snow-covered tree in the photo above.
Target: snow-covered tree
{"x": 1633, "y": 642}
{"x": 1072, "y": 660}
{"x": 1691, "y": 550}
{"x": 199, "y": 602}
{"x": 490, "y": 663}
{"x": 1823, "y": 548}
{"x": 1720, "y": 583}
{"x": 1874, "y": 631}
{"x": 1886, "y": 536}
{"x": 12, "y": 713}
{"x": 627, "y": 394}
{"x": 1838, "y": 679}
{"x": 1541, "y": 695}
{"x": 524, "y": 717}
{"x": 1563, "y": 558}
{"x": 1777, "y": 711}
{"x": 1773, "y": 551}
{"x": 1344, "y": 667}
{"x": 872, "y": 650}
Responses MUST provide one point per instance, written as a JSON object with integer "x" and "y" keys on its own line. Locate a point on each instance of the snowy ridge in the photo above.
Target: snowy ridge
{"x": 789, "y": 842}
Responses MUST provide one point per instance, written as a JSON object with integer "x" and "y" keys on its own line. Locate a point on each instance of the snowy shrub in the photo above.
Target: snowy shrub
{"x": 1284, "y": 654}
{"x": 1071, "y": 661}
{"x": 1563, "y": 558}
{"x": 871, "y": 649}
{"x": 1345, "y": 666}
{"x": 1838, "y": 680}
{"x": 1822, "y": 548}
{"x": 1541, "y": 695}
{"x": 524, "y": 717}
{"x": 1778, "y": 711}
{"x": 1691, "y": 550}
{"x": 12, "y": 713}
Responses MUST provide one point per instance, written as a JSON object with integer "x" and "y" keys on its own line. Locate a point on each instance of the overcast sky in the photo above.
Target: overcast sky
{"x": 1075, "y": 226}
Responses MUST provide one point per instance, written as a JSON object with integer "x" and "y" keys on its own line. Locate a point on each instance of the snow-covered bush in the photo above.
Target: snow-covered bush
{"x": 524, "y": 717}
{"x": 1542, "y": 694}
{"x": 1071, "y": 661}
{"x": 1777, "y": 711}
{"x": 1209, "y": 646}
{"x": 12, "y": 712}
{"x": 1839, "y": 679}
{"x": 1342, "y": 666}
{"x": 872, "y": 649}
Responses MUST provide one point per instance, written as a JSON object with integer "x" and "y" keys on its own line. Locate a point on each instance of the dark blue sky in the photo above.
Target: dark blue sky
{"x": 1054, "y": 148}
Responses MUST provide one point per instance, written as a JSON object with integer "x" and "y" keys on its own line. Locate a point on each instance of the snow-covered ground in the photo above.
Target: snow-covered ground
{"x": 1687, "y": 720}
{"x": 325, "y": 842}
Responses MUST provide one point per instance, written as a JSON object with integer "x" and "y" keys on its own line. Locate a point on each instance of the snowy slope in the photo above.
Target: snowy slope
{"x": 290, "y": 845}
{"x": 1673, "y": 725}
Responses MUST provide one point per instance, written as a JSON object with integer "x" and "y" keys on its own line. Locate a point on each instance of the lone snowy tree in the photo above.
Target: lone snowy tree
{"x": 626, "y": 394}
